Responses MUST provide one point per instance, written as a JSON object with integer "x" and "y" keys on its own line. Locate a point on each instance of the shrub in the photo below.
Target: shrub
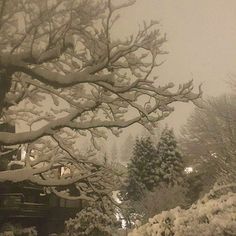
{"x": 209, "y": 216}
{"x": 91, "y": 221}
{"x": 160, "y": 199}
{"x": 18, "y": 230}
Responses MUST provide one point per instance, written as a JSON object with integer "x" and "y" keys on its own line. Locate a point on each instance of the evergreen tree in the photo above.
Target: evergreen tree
{"x": 171, "y": 168}
{"x": 152, "y": 165}
{"x": 142, "y": 170}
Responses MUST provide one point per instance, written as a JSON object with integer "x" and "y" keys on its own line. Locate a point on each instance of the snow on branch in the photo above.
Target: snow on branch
{"x": 64, "y": 74}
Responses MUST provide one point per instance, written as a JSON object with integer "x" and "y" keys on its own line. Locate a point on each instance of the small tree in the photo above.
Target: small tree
{"x": 171, "y": 168}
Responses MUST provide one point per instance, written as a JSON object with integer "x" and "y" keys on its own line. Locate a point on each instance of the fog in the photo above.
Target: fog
{"x": 201, "y": 44}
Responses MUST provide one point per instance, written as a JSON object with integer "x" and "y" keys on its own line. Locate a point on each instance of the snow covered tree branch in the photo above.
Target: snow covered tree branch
{"x": 65, "y": 77}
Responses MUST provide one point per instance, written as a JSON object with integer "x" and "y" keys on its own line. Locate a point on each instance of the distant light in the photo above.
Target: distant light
{"x": 188, "y": 170}
{"x": 214, "y": 155}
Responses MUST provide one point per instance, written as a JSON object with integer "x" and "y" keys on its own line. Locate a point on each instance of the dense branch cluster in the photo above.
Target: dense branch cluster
{"x": 64, "y": 76}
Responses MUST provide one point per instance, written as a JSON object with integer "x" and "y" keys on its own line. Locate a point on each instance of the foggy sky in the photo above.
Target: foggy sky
{"x": 201, "y": 43}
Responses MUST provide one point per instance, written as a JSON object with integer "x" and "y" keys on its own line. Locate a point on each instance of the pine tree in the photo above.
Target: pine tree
{"x": 171, "y": 169}
{"x": 150, "y": 166}
{"x": 142, "y": 170}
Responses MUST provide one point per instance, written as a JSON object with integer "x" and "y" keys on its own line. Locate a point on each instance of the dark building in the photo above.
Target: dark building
{"x": 27, "y": 204}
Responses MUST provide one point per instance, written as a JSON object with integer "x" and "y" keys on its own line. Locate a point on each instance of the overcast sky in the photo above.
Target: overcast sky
{"x": 201, "y": 43}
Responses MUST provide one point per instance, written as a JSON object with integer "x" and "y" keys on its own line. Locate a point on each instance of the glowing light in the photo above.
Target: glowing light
{"x": 214, "y": 155}
{"x": 188, "y": 169}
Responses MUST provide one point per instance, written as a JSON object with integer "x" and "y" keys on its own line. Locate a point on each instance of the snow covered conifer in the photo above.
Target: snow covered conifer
{"x": 171, "y": 168}
{"x": 144, "y": 165}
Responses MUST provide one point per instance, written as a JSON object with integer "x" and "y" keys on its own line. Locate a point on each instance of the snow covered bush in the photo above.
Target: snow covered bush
{"x": 209, "y": 216}
{"x": 31, "y": 231}
{"x": 92, "y": 221}
{"x": 17, "y": 230}
{"x": 160, "y": 199}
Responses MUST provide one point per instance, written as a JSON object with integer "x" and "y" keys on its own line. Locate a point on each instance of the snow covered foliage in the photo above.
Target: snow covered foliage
{"x": 17, "y": 230}
{"x": 152, "y": 165}
{"x": 209, "y": 216}
{"x": 160, "y": 199}
{"x": 95, "y": 220}
{"x": 171, "y": 168}
{"x": 143, "y": 168}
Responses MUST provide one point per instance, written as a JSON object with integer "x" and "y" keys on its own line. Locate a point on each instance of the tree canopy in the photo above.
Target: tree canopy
{"x": 65, "y": 77}
{"x": 208, "y": 138}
